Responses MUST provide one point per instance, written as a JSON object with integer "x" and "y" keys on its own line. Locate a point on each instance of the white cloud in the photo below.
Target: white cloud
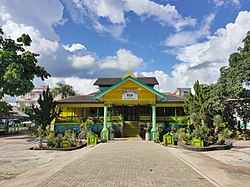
{"x": 63, "y": 60}
{"x": 39, "y": 44}
{"x": 190, "y": 37}
{"x": 218, "y": 2}
{"x": 90, "y": 11}
{"x": 226, "y": 2}
{"x": 165, "y": 15}
{"x": 81, "y": 86}
{"x": 41, "y": 15}
{"x": 120, "y": 61}
{"x": 82, "y": 62}
{"x": 4, "y": 15}
{"x": 67, "y": 62}
{"x": 236, "y": 2}
{"x": 74, "y": 47}
{"x": 111, "y": 9}
{"x": 114, "y": 30}
{"x": 203, "y": 60}
{"x": 165, "y": 82}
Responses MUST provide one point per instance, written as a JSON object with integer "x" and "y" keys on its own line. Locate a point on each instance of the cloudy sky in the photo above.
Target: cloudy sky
{"x": 177, "y": 41}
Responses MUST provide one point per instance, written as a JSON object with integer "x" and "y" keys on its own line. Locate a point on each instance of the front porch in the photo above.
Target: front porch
{"x": 129, "y": 118}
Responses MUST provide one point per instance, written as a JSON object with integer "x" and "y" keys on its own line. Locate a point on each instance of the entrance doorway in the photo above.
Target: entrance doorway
{"x": 131, "y": 113}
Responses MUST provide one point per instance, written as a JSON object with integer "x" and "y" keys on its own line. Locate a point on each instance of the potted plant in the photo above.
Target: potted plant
{"x": 147, "y": 129}
{"x": 86, "y": 127}
{"x": 111, "y": 132}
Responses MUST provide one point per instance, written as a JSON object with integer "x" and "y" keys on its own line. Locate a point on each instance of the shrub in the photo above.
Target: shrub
{"x": 202, "y": 133}
{"x": 223, "y": 136}
{"x": 117, "y": 130}
{"x": 142, "y": 130}
{"x": 85, "y": 126}
{"x": 58, "y": 140}
{"x": 50, "y": 139}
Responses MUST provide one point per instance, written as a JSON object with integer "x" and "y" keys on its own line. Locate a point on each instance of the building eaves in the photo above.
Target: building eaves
{"x": 111, "y": 81}
{"x": 79, "y": 99}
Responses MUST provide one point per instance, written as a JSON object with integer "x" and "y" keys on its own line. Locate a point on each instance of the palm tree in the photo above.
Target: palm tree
{"x": 195, "y": 120}
{"x": 218, "y": 123}
{"x": 64, "y": 90}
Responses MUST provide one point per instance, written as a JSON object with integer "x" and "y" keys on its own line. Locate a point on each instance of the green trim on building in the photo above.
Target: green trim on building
{"x": 97, "y": 96}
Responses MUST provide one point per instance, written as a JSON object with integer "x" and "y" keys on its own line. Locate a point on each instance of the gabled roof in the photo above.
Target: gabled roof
{"x": 170, "y": 98}
{"x": 111, "y": 81}
{"x": 159, "y": 95}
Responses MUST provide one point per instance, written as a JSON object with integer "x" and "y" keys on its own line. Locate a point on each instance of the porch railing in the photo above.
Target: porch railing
{"x": 118, "y": 118}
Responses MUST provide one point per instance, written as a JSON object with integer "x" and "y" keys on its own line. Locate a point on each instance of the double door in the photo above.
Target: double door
{"x": 131, "y": 113}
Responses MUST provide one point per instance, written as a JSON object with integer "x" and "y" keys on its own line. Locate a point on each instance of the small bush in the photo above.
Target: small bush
{"x": 58, "y": 140}
{"x": 50, "y": 139}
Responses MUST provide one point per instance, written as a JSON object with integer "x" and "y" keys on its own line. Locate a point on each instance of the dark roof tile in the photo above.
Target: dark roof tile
{"x": 173, "y": 98}
{"x": 79, "y": 99}
{"x": 90, "y": 99}
{"x": 112, "y": 81}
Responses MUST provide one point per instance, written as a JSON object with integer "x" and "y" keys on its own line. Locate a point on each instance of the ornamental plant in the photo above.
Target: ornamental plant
{"x": 86, "y": 127}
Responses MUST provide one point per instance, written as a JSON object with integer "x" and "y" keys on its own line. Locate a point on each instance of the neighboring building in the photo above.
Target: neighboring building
{"x": 9, "y": 99}
{"x": 182, "y": 91}
{"x": 127, "y": 102}
{"x": 30, "y": 99}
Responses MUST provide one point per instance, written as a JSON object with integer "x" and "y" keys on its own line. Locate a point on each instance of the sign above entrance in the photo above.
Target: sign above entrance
{"x": 129, "y": 95}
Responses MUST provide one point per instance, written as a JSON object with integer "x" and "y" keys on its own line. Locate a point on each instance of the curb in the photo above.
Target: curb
{"x": 196, "y": 169}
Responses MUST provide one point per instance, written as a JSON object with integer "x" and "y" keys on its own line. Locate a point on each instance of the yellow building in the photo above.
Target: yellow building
{"x": 128, "y": 102}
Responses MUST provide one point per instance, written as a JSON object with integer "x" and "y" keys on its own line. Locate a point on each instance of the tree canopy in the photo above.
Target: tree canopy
{"x": 4, "y": 108}
{"x": 64, "y": 90}
{"x": 46, "y": 111}
{"x": 229, "y": 96}
{"x": 18, "y": 67}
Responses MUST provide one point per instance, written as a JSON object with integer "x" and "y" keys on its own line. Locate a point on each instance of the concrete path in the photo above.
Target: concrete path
{"x": 16, "y": 158}
{"x": 117, "y": 163}
{"x": 217, "y": 172}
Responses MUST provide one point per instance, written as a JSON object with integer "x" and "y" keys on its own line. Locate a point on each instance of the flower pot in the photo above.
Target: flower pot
{"x": 147, "y": 136}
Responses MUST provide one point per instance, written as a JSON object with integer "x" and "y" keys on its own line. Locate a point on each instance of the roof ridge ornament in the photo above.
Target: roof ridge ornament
{"x": 129, "y": 74}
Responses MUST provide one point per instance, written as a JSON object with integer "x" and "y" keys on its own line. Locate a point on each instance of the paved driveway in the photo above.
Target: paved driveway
{"x": 126, "y": 163}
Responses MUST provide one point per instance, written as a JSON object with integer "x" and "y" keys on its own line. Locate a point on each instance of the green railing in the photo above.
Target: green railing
{"x": 68, "y": 119}
{"x": 118, "y": 118}
{"x": 73, "y": 119}
{"x": 162, "y": 118}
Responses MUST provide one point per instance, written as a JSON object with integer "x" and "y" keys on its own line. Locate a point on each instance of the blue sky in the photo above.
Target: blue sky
{"x": 177, "y": 41}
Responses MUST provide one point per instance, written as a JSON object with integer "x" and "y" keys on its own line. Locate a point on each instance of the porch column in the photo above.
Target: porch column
{"x": 84, "y": 113}
{"x": 153, "y": 130}
{"x": 111, "y": 114}
{"x": 175, "y": 114}
{"x": 164, "y": 114}
{"x": 97, "y": 112}
{"x": 104, "y": 133}
{"x": 72, "y": 114}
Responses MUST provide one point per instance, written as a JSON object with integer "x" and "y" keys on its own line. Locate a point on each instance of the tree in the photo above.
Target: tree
{"x": 64, "y": 90}
{"x": 18, "y": 67}
{"x": 27, "y": 110}
{"x": 195, "y": 120}
{"x": 218, "y": 123}
{"x": 233, "y": 83}
{"x": 46, "y": 111}
{"x": 4, "y": 108}
{"x": 196, "y": 104}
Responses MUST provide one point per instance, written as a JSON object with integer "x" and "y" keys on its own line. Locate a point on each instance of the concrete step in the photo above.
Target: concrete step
{"x": 130, "y": 129}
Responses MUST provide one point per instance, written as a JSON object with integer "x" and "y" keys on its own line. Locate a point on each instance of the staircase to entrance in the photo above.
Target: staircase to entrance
{"x": 130, "y": 129}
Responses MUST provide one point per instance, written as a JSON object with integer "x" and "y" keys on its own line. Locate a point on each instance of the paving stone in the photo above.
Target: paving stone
{"x": 127, "y": 163}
